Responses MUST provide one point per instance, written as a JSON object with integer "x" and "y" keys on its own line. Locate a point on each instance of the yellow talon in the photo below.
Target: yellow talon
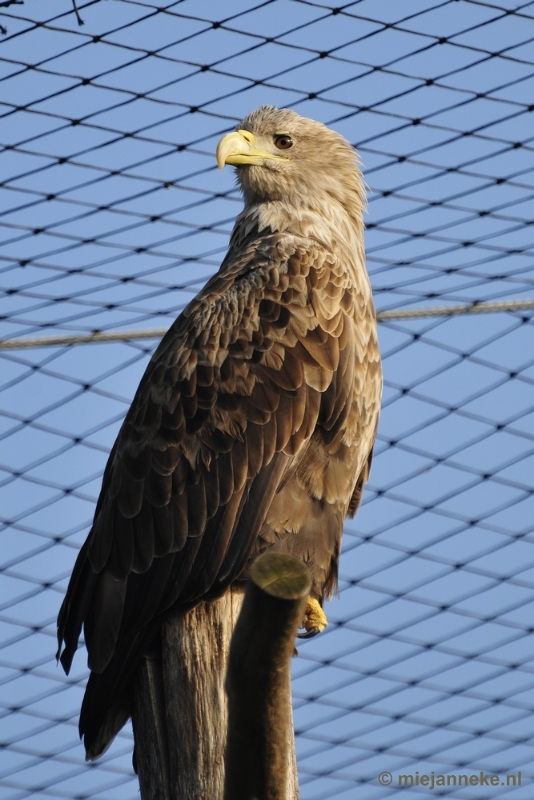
{"x": 314, "y": 621}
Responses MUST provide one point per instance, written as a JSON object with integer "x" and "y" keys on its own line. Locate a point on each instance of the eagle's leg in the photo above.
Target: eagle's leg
{"x": 314, "y": 621}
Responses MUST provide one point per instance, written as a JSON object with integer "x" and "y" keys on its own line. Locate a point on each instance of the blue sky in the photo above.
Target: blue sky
{"x": 114, "y": 214}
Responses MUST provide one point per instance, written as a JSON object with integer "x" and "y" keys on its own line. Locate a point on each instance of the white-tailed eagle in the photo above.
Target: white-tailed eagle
{"x": 253, "y": 426}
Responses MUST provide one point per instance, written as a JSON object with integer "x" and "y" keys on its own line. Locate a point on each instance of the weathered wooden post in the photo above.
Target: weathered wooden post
{"x": 180, "y": 709}
{"x": 260, "y": 754}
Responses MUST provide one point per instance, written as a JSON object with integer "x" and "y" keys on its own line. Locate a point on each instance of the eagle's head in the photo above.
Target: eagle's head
{"x": 281, "y": 156}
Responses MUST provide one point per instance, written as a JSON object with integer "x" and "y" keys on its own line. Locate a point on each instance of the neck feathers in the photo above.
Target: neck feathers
{"x": 327, "y": 221}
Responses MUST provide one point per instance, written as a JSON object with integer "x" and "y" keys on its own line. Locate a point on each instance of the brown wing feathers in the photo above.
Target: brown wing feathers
{"x": 158, "y": 455}
{"x": 234, "y": 391}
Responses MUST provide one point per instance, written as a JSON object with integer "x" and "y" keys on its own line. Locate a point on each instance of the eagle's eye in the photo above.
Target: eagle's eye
{"x": 283, "y": 141}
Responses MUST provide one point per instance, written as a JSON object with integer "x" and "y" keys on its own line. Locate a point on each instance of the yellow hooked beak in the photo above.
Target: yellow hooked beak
{"x": 238, "y": 148}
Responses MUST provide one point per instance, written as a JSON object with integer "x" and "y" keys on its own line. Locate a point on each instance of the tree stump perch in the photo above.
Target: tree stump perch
{"x": 260, "y": 755}
{"x": 184, "y": 724}
{"x": 151, "y": 754}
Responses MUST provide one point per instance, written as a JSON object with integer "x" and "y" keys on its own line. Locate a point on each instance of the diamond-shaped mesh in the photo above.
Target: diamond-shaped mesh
{"x": 114, "y": 215}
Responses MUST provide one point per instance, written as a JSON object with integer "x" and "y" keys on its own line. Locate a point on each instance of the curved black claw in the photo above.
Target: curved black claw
{"x": 309, "y": 634}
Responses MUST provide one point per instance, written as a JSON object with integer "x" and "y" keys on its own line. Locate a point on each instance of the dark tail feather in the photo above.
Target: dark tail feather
{"x": 106, "y": 704}
{"x": 74, "y": 608}
{"x": 98, "y": 732}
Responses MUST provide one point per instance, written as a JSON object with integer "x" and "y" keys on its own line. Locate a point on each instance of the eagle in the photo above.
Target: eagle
{"x": 253, "y": 426}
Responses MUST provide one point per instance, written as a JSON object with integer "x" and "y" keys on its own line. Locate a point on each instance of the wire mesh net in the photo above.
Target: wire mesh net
{"x": 114, "y": 215}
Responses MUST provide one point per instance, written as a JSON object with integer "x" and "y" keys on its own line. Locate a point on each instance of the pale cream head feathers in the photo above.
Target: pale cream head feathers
{"x": 280, "y": 155}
